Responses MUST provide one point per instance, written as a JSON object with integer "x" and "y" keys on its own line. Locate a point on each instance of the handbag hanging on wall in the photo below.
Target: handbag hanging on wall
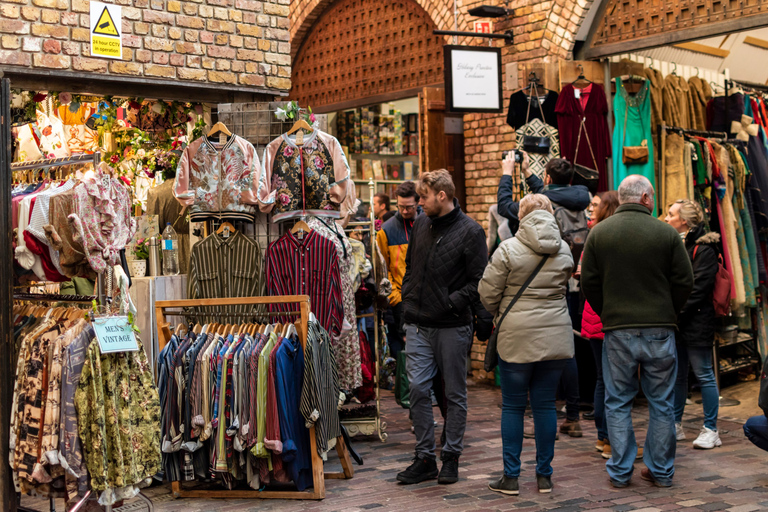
{"x": 581, "y": 174}
{"x": 634, "y": 155}
{"x": 532, "y": 143}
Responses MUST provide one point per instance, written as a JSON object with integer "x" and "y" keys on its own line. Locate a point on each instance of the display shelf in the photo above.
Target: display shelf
{"x": 366, "y": 156}
{"x": 383, "y": 182}
{"x": 731, "y": 369}
{"x": 737, "y": 342}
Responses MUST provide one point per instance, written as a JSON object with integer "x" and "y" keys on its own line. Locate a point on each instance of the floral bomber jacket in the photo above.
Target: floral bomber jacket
{"x": 312, "y": 179}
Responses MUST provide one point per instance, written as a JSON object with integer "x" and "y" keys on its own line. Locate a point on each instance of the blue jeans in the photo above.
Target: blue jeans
{"x": 600, "y": 424}
{"x": 756, "y": 430}
{"x": 701, "y": 360}
{"x": 540, "y": 379}
{"x": 653, "y": 351}
{"x": 570, "y": 386}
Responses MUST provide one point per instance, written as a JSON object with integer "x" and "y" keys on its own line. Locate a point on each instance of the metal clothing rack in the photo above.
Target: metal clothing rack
{"x": 46, "y": 163}
{"x": 370, "y": 425}
{"x": 318, "y": 475}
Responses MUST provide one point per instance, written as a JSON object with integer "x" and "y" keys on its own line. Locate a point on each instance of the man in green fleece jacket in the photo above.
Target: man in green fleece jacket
{"x": 636, "y": 274}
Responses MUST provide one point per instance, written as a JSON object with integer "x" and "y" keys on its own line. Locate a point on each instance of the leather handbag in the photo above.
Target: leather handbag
{"x": 533, "y": 143}
{"x": 581, "y": 174}
{"x": 491, "y": 350}
{"x": 634, "y": 155}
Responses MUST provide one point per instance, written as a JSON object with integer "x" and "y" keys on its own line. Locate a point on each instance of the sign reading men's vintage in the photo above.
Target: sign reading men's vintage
{"x": 106, "y": 24}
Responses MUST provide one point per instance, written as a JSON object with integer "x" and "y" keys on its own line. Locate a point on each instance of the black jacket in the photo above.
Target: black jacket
{"x": 444, "y": 263}
{"x": 570, "y": 197}
{"x": 696, "y": 322}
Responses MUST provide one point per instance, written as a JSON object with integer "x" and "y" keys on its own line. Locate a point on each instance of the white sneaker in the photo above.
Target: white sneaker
{"x": 679, "y": 432}
{"x": 707, "y": 439}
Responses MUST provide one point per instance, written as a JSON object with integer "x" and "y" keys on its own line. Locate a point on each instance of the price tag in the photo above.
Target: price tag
{"x": 222, "y": 138}
{"x": 577, "y": 93}
{"x": 115, "y": 334}
{"x": 299, "y": 138}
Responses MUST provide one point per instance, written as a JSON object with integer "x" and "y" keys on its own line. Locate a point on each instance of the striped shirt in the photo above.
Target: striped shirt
{"x": 307, "y": 267}
{"x": 225, "y": 267}
{"x": 320, "y": 390}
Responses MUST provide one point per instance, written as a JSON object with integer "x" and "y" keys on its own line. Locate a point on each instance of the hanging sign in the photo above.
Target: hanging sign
{"x": 106, "y": 25}
{"x": 473, "y": 79}
{"x": 115, "y": 334}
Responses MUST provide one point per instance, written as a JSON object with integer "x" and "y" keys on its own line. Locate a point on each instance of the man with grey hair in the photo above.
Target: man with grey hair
{"x": 636, "y": 274}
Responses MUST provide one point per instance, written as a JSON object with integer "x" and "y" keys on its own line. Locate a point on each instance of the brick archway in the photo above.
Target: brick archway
{"x": 304, "y": 14}
{"x": 364, "y": 49}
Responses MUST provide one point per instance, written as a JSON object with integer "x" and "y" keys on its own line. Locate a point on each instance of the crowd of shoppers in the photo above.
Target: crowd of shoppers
{"x": 637, "y": 289}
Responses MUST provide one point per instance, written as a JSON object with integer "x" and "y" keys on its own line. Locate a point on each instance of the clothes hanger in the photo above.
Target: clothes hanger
{"x": 219, "y": 127}
{"x": 302, "y": 226}
{"x": 674, "y": 70}
{"x": 300, "y": 126}
{"x": 581, "y": 76}
{"x": 227, "y": 228}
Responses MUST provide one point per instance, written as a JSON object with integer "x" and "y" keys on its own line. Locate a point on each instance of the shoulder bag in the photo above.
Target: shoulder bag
{"x": 533, "y": 143}
{"x": 491, "y": 351}
{"x": 581, "y": 174}
{"x": 634, "y": 154}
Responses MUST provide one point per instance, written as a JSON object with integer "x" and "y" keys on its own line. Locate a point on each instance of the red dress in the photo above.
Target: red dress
{"x": 592, "y": 106}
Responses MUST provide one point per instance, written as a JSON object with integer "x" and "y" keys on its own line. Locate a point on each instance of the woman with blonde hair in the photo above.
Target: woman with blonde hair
{"x": 535, "y": 337}
{"x": 696, "y": 322}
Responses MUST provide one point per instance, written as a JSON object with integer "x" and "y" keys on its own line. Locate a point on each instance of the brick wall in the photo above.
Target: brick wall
{"x": 232, "y": 42}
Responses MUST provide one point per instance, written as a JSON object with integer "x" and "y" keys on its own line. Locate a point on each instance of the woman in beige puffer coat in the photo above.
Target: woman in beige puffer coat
{"x": 536, "y": 337}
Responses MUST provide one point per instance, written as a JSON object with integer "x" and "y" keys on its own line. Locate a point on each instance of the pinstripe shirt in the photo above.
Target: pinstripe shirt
{"x": 307, "y": 267}
{"x": 225, "y": 267}
{"x": 320, "y": 390}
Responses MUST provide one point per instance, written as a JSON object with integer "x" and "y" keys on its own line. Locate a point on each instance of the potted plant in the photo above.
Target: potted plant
{"x": 141, "y": 254}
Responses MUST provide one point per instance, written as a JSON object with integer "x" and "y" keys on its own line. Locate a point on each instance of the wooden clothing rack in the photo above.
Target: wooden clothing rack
{"x": 318, "y": 475}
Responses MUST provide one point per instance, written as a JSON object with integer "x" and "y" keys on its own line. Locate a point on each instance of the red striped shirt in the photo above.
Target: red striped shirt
{"x": 307, "y": 267}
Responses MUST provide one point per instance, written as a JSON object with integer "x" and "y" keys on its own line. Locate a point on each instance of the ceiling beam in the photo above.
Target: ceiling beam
{"x": 671, "y": 38}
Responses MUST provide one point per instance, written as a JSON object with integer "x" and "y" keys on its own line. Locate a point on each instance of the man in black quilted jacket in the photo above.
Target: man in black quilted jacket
{"x": 444, "y": 263}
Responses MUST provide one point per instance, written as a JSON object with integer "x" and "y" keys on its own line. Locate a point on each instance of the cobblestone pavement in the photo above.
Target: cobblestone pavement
{"x": 733, "y": 477}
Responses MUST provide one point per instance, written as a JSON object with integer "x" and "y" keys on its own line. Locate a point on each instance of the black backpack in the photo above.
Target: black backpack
{"x": 573, "y": 228}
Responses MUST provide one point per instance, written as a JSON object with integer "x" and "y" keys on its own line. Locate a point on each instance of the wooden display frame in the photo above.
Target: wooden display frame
{"x": 318, "y": 475}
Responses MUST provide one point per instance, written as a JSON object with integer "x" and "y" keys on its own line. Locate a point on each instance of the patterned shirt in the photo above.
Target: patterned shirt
{"x": 225, "y": 267}
{"x": 320, "y": 391}
{"x": 307, "y": 267}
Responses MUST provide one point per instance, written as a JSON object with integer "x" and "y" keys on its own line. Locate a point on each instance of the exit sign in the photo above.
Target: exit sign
{"x": 484, "y": 27}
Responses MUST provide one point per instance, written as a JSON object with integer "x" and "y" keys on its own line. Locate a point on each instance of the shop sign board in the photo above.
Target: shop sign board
{"x": 115, "y": 334}
{"x": 106, "y": 24}
{"x": 473, "y": 79}
{"x": 484, "y": 27}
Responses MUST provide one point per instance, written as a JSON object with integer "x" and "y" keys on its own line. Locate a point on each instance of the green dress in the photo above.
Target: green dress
{"x": 638, "y": 129}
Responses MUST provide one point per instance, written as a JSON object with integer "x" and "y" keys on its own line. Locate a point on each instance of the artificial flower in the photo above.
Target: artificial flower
{"x": 39, "y": 97}
{"x": 65, "y": 98}
{"x": 199, "y": 109}
{"x": 157, "y": 107}
{"x": 281, "y": 114}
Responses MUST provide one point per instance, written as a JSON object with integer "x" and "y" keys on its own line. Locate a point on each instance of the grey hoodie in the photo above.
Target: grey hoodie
{"x": 538, "y": 327}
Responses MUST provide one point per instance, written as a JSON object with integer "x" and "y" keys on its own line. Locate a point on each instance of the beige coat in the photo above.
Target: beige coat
{"x": 538, "y": 327}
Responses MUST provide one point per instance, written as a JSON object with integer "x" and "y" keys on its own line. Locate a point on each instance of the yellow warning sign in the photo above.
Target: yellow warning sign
{"x": 106, "y": 47}
{"x": 105, "y": 26}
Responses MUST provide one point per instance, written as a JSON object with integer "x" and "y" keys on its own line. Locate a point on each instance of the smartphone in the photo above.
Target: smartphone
{"x": 518, "y": 156}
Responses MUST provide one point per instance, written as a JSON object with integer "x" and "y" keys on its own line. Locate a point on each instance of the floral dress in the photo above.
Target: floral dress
{"x": 347, "y": 344}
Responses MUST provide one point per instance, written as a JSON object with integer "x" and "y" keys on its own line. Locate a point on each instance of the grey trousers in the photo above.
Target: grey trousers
{"x": 427, "y": 350}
